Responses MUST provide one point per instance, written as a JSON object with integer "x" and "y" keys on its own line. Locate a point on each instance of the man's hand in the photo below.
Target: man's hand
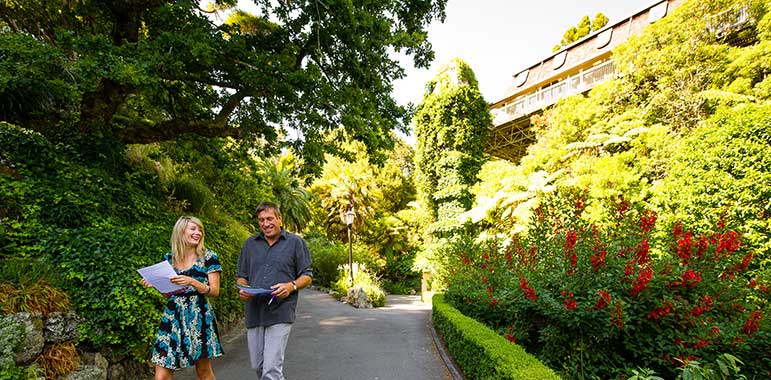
{"x": 244, "y": 296}
{"x": 282, "y": 289}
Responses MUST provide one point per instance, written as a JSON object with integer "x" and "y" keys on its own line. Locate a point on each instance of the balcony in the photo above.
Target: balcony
{"x": 547, "y": 96}
{"x": 733, "y": 26}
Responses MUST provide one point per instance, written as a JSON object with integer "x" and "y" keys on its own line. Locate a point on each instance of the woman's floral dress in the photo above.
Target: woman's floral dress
{"x": 188, "y": 330}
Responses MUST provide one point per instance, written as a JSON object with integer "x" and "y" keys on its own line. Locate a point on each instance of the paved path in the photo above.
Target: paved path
{"x": 331, "y": 340}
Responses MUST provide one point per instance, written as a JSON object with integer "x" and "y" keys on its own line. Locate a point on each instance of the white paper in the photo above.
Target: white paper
{"x": 252, "y": 290}
{"x": 159, "y": 276}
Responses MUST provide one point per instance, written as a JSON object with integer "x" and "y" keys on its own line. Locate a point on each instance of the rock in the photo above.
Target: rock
{"x": 357, "y": 297}
{"x": 129, "y": 370}
{"x": 32, "y": 345}
{"x": 95, "y": 359}
{"x": 11, "y": 335}
{"x": 87, "y": 372}
{"x": 60, "y": 327}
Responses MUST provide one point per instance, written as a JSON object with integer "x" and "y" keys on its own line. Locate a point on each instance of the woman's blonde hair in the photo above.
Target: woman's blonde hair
{"x": 178, "y": 243}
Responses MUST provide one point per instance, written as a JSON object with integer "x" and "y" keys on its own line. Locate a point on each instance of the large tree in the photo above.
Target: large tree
{"x": 583, "y": 29}
{"x": 141, "y": 71}
{"x": 451, "y": 126}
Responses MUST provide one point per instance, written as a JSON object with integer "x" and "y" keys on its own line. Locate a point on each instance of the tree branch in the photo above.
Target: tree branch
{"x": 101, "y": 105}
{"x": 142, "y": 132}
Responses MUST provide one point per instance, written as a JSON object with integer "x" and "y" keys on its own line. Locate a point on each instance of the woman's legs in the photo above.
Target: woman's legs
{"x": 203, "y": 369}
{"x": 162, "y": 373}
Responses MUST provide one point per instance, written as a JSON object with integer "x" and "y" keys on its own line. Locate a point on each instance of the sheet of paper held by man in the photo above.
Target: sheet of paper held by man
{"x": 159, "y": 276}
{"x": 252, "y": 290}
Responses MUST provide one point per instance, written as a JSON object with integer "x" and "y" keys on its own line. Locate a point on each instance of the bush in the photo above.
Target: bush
{"x": 361, "y": 278}
{"x": 58, "y": 359}
{"x": 722, "y": 171}
{"x": 194, "y": 194}
{"x": 39, "y": 296}
{"x": 225, "y": 237}
{"x": 398, "y": 276}
{"x": 99, "y": 266}
{"x": 592, "y": 300}
{"x": 480, "y": 352}
{"x": 327, "y": 257}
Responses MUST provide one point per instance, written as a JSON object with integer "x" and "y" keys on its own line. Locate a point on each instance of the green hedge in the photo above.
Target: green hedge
{"x": 480, "y": 352}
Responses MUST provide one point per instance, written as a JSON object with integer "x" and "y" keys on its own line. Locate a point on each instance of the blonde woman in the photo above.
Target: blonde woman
{"x": 187, "y": 334}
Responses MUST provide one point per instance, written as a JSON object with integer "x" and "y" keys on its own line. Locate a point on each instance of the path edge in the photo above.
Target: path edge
{"x": 449, "y": 362}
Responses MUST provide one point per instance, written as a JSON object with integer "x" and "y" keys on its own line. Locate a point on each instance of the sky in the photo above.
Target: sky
{"x": 498, "y": 38}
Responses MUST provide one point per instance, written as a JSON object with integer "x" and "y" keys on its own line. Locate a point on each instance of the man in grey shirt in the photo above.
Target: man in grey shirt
{"x": 277, "y": 260}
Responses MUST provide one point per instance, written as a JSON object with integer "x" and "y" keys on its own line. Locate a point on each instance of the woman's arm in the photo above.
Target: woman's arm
{"x": 214, "y": 284}
{"x": 211, "y": 290}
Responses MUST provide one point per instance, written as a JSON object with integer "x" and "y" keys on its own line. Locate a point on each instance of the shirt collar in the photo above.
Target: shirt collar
{"x": 280, "y": 236}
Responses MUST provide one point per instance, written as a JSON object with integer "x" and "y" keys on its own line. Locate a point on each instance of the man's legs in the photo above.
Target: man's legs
{"x": 266, "y": 350}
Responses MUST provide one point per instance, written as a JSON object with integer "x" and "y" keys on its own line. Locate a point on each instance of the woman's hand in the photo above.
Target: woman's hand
{"x": 182, "y": 280}
{"x": 145, "y": 283}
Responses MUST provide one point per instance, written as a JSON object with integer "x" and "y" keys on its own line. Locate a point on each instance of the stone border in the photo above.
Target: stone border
{"x": 446, "y": 358}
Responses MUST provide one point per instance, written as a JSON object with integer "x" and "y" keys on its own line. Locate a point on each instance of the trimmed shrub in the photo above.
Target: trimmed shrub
{"x": 480, "y": 352}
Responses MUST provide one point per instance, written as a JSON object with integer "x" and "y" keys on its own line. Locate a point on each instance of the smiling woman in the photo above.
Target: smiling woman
{"x": 188, "y": 334}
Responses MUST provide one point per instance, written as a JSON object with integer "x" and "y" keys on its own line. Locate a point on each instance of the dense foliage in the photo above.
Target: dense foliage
{"x": 678, "y": 141}
{"x": 451, "y": 125}
{"x": 149, "y": 71}
{"x": 596, "y": 300}
{"x": 385, "y": 227}
{"x": 87, "y": 232}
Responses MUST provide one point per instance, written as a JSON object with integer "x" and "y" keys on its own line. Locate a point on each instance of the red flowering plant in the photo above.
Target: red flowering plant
{"x": 596, "y": 299}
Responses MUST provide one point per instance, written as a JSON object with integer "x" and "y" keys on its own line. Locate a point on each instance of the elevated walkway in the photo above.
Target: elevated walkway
{"x": 579, "y": 67}
{"x": 573, "y": 70}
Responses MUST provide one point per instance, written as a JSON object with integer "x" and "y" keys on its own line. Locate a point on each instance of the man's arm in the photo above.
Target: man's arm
{"x": 303, "y": 281}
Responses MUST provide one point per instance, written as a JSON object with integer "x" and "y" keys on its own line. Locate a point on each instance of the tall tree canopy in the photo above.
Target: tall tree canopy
{"x": 143, "y": 71}
{"x": 451, "y": 127}
{"x": 583, "y": 29}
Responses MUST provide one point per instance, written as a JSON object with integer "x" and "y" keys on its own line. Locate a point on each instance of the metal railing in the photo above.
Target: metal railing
{"x": 729, "y": 21}
{"x": 546, "y": 96}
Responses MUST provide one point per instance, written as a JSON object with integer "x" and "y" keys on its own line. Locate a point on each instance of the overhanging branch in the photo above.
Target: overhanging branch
{"x": 135, "y": 131}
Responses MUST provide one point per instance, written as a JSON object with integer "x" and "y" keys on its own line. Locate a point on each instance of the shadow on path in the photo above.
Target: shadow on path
{"x": 331, "y": 340}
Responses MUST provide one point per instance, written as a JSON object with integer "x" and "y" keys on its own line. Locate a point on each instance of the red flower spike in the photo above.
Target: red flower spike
{"x": 753, "y": 323}
{"x": 570, "y": 240}
{"x": 643, "y": 277}
{"x": 648, "y": 220}
{"x": 690, "y": 278}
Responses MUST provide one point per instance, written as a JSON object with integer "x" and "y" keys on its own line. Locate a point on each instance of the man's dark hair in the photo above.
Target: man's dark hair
{"x": 268, "y": 206}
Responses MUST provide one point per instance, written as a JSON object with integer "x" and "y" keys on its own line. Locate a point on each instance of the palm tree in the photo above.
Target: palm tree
{"x": 343, "y": 185}
{"x": 288, "y": 193}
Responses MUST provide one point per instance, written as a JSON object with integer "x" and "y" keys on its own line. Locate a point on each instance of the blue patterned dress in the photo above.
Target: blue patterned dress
{"x": 188, "y": 329}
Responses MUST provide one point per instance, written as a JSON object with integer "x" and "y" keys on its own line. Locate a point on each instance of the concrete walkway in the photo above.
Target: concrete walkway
{"x": 331, "y": 340}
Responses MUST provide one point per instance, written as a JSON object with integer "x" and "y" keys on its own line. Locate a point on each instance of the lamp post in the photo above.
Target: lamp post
{"x": 349, "y": 215}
